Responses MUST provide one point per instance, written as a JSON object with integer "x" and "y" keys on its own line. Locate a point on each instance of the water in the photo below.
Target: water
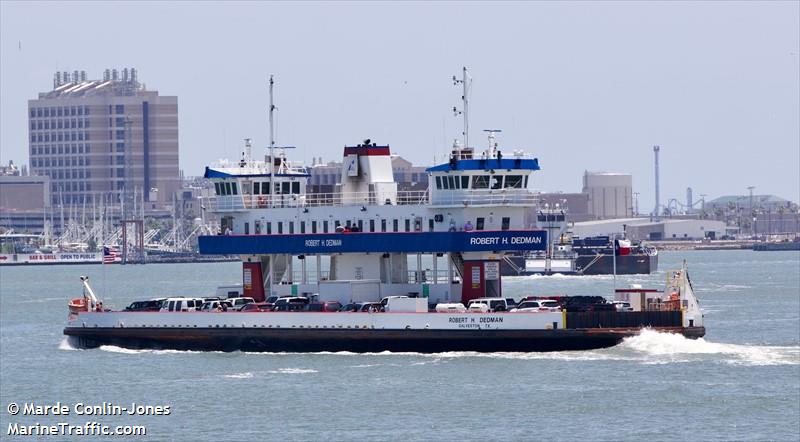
{"x": 742, "y": 382}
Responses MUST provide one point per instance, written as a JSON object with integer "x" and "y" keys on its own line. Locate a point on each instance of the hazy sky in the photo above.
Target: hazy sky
{"x": 580, "y": 85}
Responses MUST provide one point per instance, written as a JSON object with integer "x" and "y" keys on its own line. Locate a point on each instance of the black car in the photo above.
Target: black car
{"x": 152, "y": 305}
{"x": 290, "y": 304}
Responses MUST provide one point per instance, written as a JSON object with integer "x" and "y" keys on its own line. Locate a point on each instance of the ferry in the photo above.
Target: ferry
{"x": 365, "y": 244}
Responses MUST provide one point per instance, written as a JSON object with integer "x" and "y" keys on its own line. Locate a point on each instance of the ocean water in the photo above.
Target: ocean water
{"x": 741, "y": 382}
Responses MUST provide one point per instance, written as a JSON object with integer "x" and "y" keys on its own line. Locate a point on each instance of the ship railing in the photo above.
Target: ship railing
{"x": 233, "y": 203}
{"x": 412, "y": 277}
{"x": 517, "y": 197}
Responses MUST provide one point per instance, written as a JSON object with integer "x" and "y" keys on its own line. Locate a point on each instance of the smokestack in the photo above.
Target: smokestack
{"x": 134, "y": 78}
{"x": 656, "y": 212}
{"x": 66, "y": 77}
{"x": 689, "y": 199}
{"x": 114, "y": 75}
{"x": 76, "y": 76}
{"x": 124, "y": 74}
{"x": 57, "y": 80}
{"x": 106, "y": 75}
{"x": 83, "y": 75}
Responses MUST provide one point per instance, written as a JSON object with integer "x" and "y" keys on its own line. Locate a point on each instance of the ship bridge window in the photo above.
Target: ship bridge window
{"x": 216, "y": 189}
{"x": 480, "y": 182}
{"x": 464, "y": 182}
{"x": 445, "y": 183}
{"x": 256, "y": 188}
{"x": 285, "y": 188}
{"x": 497, "y": 182}
{"x": 514, "y": 181}
{"x": 227, "y": 190}
{"x": 454, "y": 182}
{"x": 438, "y": 182}
{"x": 265, "y": 188}
{"x": 296, "y": 187}
{"x": 233, "y": 187}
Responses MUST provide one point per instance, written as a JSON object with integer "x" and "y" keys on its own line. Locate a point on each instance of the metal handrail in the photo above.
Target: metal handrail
{"x": 417, "y": 197}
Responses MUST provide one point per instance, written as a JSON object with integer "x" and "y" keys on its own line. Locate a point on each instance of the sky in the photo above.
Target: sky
{"x": 581, "y": 86}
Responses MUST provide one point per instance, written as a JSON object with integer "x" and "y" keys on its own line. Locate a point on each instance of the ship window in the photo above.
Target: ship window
{"x": 291, "y": 227}
{"x": 506, "y": 223}
{"x": 438, "y": 182}
{"x": 464, "y": 182}
{"x": 430, "y": 224}
{"x": 172, "y": 306}
{"x": 514, "y": 181}
{"x": 285, "y": 188}
{"x": 325, "y": 226}
{"x": 383, "y": 225}
{"x": 497, "y": 182}
{"x": 479, "y": 224}
{"x": 408, "y": 225}
{"x": 296, "y": 187}
{"x": 480, "y": 182}
{"x": 269, "y": 228}
{"x": 280, "y": 227}
{"x": 313, "y": 227}
{"x": 372, "y": 225}
{"x": 265, "y": 188}
{"x": 395, "y": 224}
{"x": 360, "y": 225}
{"x": 453, "y": 182}
{"x": 445, "y": 183}
{"x": 302, "y": 227}
{"x": 257, "y": 225}
{"x": 525, "y": 186}
{"x": 246, "y": 188}
{"x": 216, "y": 188}
{"x": 227, "y": 189}
{"x": 256, "y": 188}
{"x": 246, "y": 228}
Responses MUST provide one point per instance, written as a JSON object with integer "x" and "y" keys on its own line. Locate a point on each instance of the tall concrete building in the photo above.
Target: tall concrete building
{"x": 610, "y": 194}
{"x": 105, "y": 140}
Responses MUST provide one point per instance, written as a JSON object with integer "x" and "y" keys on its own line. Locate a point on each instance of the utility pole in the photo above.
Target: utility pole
{"x": 752, "y": 209}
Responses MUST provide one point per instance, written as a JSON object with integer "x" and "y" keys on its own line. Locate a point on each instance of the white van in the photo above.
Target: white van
{"x": 181, "y": 304}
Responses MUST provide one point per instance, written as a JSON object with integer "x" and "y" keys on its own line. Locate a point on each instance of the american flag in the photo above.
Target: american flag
{"x": 110, "y": 256}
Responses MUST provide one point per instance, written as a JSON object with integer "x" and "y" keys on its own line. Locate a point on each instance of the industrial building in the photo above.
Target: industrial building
{"x": 610, "y": 194}
{"x": 105, "y": 141}
{"x": 647, "y": 229}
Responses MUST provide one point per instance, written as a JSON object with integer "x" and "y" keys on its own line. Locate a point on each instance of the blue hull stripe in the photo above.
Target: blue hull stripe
{"x": 362, "y": 242}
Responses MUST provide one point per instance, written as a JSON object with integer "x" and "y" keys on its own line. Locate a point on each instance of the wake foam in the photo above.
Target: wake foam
{"x": 245, "y": 375}
{"x": 657, "y": 347}
{"x": 292, "y": 371}
{"x": 65, "y": 344}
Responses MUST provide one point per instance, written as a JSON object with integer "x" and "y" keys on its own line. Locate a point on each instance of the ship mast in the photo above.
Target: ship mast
{"x": 271, "y": 137}
{"x": 466, "y": 82}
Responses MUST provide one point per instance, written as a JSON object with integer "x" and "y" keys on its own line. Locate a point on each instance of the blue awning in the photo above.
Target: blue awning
{"x": 488, "y": 164}
{"x": 212, "y": 173}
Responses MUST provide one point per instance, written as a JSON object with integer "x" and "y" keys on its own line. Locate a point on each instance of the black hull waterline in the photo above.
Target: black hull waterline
{"x": 359, "y": 341}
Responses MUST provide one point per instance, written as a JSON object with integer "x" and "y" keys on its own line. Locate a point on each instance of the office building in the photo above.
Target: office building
{"x": 105, "y": 141}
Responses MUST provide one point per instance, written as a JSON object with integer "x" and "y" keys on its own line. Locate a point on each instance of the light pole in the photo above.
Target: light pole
{"x": 752, "y": 209}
